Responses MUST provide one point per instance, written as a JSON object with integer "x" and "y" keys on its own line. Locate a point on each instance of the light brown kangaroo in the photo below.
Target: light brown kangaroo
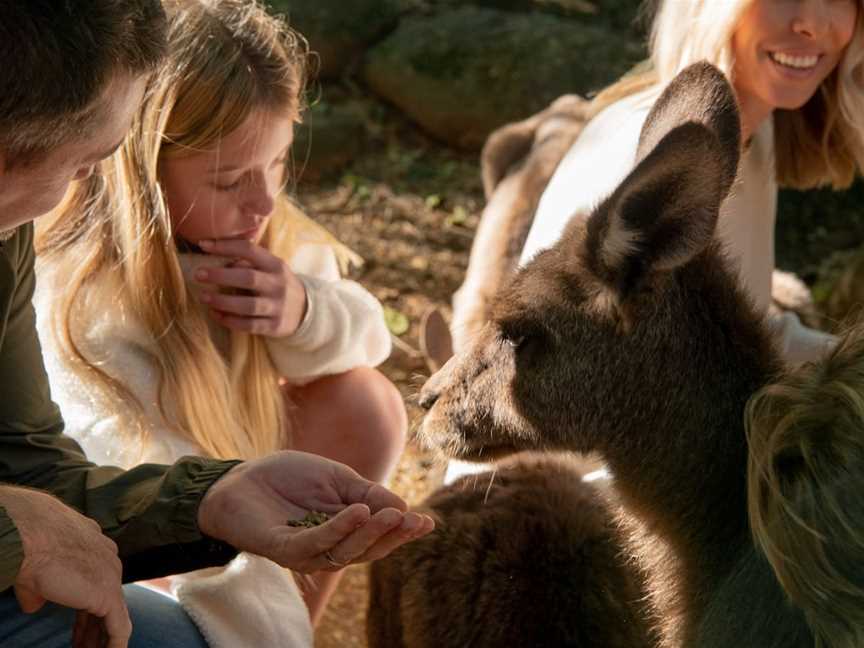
{"x": 527, "y": 557}
{"x": 631, "y": 338}
{"x": 517, "y": 162}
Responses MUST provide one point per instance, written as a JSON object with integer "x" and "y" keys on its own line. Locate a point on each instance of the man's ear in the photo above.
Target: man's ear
{"x": 662, "y": 215}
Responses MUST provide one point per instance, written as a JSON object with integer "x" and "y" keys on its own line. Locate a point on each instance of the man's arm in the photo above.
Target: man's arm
{"x": 150, "y": 511}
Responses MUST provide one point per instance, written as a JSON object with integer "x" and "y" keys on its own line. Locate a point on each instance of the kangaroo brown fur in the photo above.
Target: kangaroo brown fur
{"x": 526, "y": 557}
{"x": 631, "y": 337}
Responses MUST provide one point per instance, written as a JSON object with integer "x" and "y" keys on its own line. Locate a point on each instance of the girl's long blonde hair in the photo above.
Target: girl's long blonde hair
{"x": 805, "y": 478}
{"x": 822, "y": 143}
{"x": 226, "y": 59}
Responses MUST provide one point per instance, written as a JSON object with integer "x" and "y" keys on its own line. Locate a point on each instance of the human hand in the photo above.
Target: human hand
{"x": 249, "y": 506}
{"x": 68, "y": 561}
{"x": 276, "y": 299}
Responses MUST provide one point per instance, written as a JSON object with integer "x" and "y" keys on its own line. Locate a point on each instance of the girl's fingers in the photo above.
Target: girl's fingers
{"x": 253, "y": 325}
{"x": 243, "y": 249}
{"x": 241, "y": 305}
{"x": 246, "y": 278}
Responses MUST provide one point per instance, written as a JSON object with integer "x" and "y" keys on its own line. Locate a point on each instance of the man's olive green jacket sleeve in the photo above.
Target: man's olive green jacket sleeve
{"x": 149, "y": 511}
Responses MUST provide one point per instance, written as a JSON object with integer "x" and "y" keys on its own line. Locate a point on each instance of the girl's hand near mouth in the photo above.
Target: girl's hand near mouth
{"x": 272, "y": 299}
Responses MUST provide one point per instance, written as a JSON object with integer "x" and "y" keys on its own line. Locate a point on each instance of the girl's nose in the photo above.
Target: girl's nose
{"x": 260, "y": 199}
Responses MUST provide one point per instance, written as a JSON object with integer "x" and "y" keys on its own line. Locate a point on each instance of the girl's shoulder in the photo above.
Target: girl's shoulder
{"x": 99, "y": 315}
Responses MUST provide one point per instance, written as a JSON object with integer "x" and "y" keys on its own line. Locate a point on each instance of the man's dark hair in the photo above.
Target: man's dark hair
{"x": 58, "y": 56}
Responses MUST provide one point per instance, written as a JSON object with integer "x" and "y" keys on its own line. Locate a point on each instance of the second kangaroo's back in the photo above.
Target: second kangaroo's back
{"x": 525, "y": 557}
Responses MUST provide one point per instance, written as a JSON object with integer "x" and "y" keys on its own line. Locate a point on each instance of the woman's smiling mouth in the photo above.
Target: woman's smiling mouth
{"x": 803, "y": 63}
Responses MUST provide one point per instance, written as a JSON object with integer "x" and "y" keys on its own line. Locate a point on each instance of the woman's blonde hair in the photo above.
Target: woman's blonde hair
{"x": 805, "y": 479}
{"x": 227, "y": 58}
{"x": 822, "y": 143}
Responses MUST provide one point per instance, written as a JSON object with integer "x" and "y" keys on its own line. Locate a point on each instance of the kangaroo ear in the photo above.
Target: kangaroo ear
{"x": 665, "y": 211}
{"x": 503, "y": 149}
{"x": 662, "y": 215}
{"x": 700, "y": 94}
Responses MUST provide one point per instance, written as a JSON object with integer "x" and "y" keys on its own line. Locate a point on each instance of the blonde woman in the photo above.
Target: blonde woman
{"x": 797, "y": 67}
{"x": 184, "y": 300}
{"x": 805, "y": 475}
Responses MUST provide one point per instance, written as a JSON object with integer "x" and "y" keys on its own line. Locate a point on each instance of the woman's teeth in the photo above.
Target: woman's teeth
{"x": 797, "y": 62}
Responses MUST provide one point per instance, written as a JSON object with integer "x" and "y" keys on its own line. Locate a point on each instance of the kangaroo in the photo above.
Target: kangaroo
{"x": 517, "y": 162}
{"x": 630, "y": 337}
{"x": 525, "y": 557}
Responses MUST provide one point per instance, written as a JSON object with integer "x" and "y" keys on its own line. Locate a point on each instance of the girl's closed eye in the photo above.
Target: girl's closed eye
{"x": 231, "y": 186}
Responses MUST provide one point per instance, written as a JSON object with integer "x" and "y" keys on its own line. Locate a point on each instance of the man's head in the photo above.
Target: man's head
{"x": 72, "y": 79}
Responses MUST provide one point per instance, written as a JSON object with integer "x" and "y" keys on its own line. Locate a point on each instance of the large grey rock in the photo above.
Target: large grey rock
{"x": 339, "y": 31}
{"x": 621, "y": 14}
{"x": 331, "y": 136}
{"x": 463, "y": 72}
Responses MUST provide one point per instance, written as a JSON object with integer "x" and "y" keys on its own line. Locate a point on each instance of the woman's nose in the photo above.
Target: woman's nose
{"x": 813, "y": 18}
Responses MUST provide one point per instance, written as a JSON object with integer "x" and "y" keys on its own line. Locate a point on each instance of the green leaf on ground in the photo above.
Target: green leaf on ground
{"x": 397, "y": 322}
{"x": 458, "y": 216}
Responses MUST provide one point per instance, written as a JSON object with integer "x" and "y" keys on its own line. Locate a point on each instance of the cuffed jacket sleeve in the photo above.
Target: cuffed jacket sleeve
{"x": 343, "y": 328}
{"x": 344, "y": 324}
{"x": 150, "y": 511}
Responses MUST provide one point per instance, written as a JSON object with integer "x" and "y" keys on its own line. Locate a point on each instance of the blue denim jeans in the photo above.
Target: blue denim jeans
{"x": 156, "y": 621}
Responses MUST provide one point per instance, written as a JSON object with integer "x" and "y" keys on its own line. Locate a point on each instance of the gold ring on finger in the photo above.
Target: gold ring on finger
{"x": 333, "y": 562}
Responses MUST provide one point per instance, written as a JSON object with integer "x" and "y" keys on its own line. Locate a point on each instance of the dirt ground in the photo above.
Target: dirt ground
{"x": 409, "y": 207}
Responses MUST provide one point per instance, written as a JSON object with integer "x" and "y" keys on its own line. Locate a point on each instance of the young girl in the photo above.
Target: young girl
{"x": 805, "y": 473}
{"x": 183, "y": 298}
{"x": 797, "y": 67}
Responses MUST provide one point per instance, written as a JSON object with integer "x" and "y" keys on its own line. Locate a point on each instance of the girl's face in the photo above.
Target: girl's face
{"x": 229, "y": 191}
{"x": 784, "y": 49}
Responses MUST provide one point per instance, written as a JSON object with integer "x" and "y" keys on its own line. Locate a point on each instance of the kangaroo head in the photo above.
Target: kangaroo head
{"x": 604, "y": 329}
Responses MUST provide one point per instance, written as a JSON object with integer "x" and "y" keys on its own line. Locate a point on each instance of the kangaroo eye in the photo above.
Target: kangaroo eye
{"x": 512, "y": 340}
{"x": 519, "y": 335}
{"x": 515, "y": 342}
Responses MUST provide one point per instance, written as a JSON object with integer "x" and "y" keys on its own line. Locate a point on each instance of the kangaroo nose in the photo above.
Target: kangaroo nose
{"x": 428, "y": 397}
